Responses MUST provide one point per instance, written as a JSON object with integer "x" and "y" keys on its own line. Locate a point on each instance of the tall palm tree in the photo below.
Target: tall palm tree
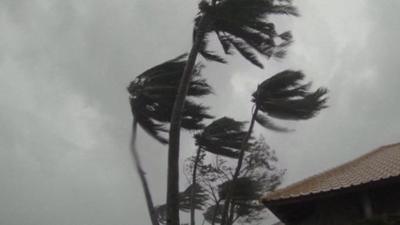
{"x": 240, "y": 25}
{"x": 152, "y": 95}
{"x": 283, "y": 96}
{"x": 222, "y": 137}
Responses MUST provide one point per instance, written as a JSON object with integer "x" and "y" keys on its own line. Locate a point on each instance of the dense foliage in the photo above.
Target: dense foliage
{"x": 258, "y": 176}
{"x": 152, "y": 95}
{"x": 242, "y": 25}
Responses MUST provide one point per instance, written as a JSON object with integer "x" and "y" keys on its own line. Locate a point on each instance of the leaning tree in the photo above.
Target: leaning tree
{"x": 283, "y": 96}
{"x": 152, "y": 95}
{"x": 222, "y": 137}
{"x": 258, "y": 175}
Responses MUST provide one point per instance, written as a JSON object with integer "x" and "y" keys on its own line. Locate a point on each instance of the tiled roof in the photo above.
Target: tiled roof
{"x": 377, "y": 165}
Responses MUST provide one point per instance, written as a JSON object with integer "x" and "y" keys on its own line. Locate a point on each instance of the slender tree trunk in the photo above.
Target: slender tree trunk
{"x": 244, "y": 146}
{"x": 142, "y": 175}
{"x": 194, "y": 183}
{"x": 215, "y": 213}
{"x": 231, "y": 213}
{"x": 174, "y": 132}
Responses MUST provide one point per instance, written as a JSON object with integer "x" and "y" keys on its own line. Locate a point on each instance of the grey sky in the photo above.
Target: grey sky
{"x": 65, "y": 121}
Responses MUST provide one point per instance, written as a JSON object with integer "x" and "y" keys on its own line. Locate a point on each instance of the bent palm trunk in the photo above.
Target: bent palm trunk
{"x": 174, "y": 133}
{"x": 142, "y": 176}
{"x": 194, "y": 182}
{"x": 244, "y": 144}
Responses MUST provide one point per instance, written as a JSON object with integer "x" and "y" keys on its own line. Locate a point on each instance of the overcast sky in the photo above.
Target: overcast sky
{"x": 65, "y": 120}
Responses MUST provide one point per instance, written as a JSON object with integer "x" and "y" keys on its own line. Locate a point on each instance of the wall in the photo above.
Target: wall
{"x": 341, "y": 209}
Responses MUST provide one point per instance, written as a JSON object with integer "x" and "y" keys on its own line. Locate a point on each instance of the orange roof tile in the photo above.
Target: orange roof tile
{"x": 379, "y": 164}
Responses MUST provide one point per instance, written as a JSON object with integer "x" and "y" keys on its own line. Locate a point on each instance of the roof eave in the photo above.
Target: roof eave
{"x": 327, "y": 194}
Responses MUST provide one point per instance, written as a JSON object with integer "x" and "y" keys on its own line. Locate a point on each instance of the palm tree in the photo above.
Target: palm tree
{"x": 222, "y": 137}
{"x": 240, "y": 25}
{"x": 152, "y": 94}
{"x": 285, "y": 97}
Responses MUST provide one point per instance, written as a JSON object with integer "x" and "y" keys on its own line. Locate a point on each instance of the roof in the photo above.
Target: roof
{"x": 380, "y": 164}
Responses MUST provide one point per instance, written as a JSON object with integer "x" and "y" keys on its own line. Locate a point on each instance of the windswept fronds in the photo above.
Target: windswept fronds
{"x": 152, "y": 95}
{"x": 222, "y": 137}
{"x": 243, "y": 25}
{"x": 285, "y": 96}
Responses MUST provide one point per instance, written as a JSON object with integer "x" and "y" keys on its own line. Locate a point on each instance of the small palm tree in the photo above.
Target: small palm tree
{"x": 152, "y": 95}
{"x": 283, "y": 96}
{"x": 238, "y": 24}
{"x": 222, "y": 137}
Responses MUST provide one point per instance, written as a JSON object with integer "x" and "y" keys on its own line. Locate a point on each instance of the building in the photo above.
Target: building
{"x": 359, "y": 189}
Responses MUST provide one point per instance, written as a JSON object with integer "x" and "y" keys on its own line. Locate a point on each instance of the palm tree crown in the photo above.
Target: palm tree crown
{"x": 152, "y": 95}
{"x": 243, "y": 25}
{"x": 285, "y": 96}
{"x": 222, "y": 137}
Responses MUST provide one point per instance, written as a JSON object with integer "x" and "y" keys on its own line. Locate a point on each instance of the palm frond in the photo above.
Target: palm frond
{"x": 193, "y": 115}
{"x": 246, "y": 51}
{"x": 200, "y": 198}
{"x": 302, "y": 108}
{"x": 282, "y": 80}
{"x": 246, "y": 22}
{"x": 152, "y": 95}
{"x": 226, "y": 45}
{"x": 263, "y": 44}
{"x": 244, "y": 189}
{"x": 208, "y": 55}
{"x": 151, "y": 127}
{"x": 211, "y": 56}
{"x": 267, "y": 123}
{"x": 287, "y": 36}
{"x": 286, "y": 96}
{"x": 222, "y": 137}
{"x": 284, "y": 9}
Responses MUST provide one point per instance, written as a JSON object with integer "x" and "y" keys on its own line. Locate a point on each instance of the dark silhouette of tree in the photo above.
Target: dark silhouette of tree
{"x": 222, "y": 137}
{"x": 238, "y": 24}
{"x": 283, "y": 96}
{"x": 242, "y": 25}
{"x": 193, "y": 196}
{"x": 257, "y": 176}
{"x": 152, "y": 95}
